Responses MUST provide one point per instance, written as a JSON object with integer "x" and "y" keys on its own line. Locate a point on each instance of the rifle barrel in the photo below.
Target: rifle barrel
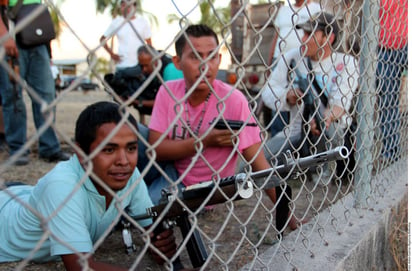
{"x": 338, "y": 153}
{"x": 191, "y": 201}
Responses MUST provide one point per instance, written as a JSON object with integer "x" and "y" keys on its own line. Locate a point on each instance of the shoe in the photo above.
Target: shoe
{"x": 3, "y": 146}
{"x": 57, "y": 157}
{"x": 3, "y": 143}
{"x": 22, "y": 160}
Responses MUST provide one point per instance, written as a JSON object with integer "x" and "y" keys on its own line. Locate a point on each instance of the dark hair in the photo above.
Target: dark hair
{"x": 94, "y": 116}
{"x": 194, "y": 30}
{"x": 147, "y": 49}
{"x": 322, "y": 21}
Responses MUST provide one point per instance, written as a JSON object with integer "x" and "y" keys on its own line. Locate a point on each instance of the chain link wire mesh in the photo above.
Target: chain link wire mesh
{"x": 237, "y": 232}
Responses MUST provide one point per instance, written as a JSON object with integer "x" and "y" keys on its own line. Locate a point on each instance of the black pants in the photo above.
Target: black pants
{"x": 283, "y": 196}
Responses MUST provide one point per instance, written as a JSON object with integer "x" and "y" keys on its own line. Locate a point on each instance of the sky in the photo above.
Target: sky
{"x": 85, "y": 26}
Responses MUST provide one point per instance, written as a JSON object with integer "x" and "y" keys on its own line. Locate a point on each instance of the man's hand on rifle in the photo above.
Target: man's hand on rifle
{"x": 166, "y": 243}
{"x": 294, "y": 96}
{"x": 219, "y": 138}
{"x": 314, "y": 129}
{"x": 333, "y": 114}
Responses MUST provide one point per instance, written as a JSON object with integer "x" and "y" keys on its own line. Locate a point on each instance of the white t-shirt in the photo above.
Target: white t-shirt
{"x": 130, "y": 36}
{"x": 286, "y": 20}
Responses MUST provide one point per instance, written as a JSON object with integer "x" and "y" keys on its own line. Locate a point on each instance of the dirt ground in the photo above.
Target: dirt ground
{"x": 233, "y": 232}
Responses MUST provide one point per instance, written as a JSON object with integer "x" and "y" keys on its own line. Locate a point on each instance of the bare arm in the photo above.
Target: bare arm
{"x": 72, "y": 262}
{"x": 112, "y": 54}
{"x": 164, "y": 241}
{"x": 9, "y": 45}
{"x": 331, "y": 115}
{"x": 273, "y": 46}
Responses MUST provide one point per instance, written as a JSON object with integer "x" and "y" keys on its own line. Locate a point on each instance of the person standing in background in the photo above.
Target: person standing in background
{"x": 34, "y": 67}
{"x": 129, "y": 30}
{"x": 288, "y": 37}
{"x": 392, "y": 61}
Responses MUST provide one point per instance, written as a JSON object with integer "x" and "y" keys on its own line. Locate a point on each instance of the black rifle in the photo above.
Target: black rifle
{"x": 175, "y": 210}
{"x": 310, "y": 99}
{"x": 222, "y": 124}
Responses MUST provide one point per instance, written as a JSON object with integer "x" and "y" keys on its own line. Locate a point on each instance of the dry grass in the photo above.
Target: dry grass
{"x": 398, "y": 236}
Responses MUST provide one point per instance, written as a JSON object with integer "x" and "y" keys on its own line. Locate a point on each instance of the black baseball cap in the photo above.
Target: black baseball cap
{"x": 321, "y": 21}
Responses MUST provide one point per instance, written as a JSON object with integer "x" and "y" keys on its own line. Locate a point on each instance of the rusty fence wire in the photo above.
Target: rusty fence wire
{"x": 235, "y": 233}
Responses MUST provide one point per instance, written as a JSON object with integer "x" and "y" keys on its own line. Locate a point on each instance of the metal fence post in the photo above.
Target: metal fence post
{"x": 366, "y": 105}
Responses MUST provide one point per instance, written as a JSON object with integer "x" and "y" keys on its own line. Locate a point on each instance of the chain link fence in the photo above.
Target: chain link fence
{"x": 235, "y": 232}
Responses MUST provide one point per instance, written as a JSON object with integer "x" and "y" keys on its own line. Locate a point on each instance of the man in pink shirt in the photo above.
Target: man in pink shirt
{"x": 181, "y": 126}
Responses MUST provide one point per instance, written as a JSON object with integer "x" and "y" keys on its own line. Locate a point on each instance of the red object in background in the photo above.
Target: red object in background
{"x": 253, "y": 79}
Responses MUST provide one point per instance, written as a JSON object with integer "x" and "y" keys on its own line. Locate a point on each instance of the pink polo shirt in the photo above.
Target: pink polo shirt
{"x": 171, "y": 113}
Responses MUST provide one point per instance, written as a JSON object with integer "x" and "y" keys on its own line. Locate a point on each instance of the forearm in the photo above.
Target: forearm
{"x": 109, "y": 50}
{"x": 169, "y": 149}
{"x": 106, "y": 47}
{"x": 3, "y": 29}
{"x": 175, "y": 149}
{"x": 105, "y": 267}
{"x": 334, "y": 113}
{"x": 72, "y": 263}
{"x": 273, "y": 46}
{"x": 9, "y": 45}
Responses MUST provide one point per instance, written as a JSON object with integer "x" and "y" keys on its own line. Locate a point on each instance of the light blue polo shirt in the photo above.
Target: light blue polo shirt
{"x": 65, "y": 210}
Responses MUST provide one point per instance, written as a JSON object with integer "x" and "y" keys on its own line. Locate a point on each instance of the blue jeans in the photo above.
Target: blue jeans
{"x": 391, "y": 64}
{"x": 154, "y": 180}
{"x": 34, "y": 64}
{"x": 279, "y": 123}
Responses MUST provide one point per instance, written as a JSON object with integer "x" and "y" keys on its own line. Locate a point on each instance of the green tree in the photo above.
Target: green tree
{"x": 114, "y": 7}
{"x": 54, "y": 13}
{"x": 215, "y": 18}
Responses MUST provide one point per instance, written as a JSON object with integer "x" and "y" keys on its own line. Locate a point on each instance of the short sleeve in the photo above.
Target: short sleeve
{"x": 66, "y": 220}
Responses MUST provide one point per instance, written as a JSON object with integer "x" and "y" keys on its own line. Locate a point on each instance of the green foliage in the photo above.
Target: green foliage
{"x": 216, "y": 18}
{"x": 55, "y": 17}
{"x": 102, "y": 66}
{"x": 114, "y": 6}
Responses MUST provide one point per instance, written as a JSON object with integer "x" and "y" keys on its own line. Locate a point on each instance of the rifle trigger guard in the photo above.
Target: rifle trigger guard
{"x": 243, "y": 186}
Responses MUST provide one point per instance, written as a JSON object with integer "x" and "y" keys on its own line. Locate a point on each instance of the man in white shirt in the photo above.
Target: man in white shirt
{"x": 287, "y": 37}
{"x": 129, "y": 30}
{"x": 336, "y": 76}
